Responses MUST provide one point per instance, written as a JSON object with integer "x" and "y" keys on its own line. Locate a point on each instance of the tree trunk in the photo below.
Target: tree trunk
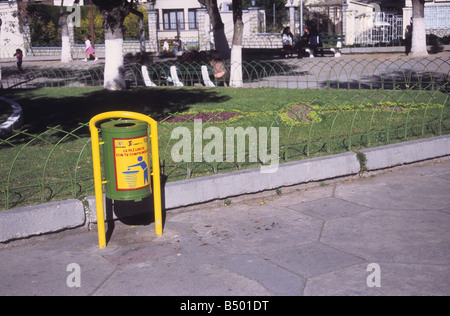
{"x": 114, "y": 13}
{"x": 236, "y": 78}
{"x": 220, "y": 39}
{"x": 114, "y": 68}
{"x": 140, "y": 15}
{"x": 66, "y": 56}
{"x": 419, "y": 37}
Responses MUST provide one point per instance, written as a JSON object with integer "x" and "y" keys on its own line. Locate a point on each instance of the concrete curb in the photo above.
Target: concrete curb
{"x": 383, "y": 50}
{"x": 57, "y": 216}
{"x": 408, "y": 152}
{"x": 250, "y": 181}
{"x": 222, "y": 186}
{"x": 14, "y": 121}
{"x": 41, "y": 219}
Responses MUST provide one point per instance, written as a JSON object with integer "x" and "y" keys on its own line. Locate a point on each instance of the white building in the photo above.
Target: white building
{"x": 10, "y": 37}
{"x": 360, "y": 21}
{"x": 437, "y": 16}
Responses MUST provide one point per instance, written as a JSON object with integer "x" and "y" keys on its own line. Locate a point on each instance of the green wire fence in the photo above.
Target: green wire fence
{"x": 393, "y": 100}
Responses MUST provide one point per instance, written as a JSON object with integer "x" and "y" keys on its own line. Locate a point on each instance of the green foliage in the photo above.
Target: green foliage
{"x": 131, "y": 26}
{"x": 46, "y": 32}
{"x": 44, "y": 20}
{"x": 85, "y": 29}
{"x": 362, "y": 159}
{"x": 45, "y": 164}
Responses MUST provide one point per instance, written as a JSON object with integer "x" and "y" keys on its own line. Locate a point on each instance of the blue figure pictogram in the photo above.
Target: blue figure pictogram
{"x": 144, "y": 167}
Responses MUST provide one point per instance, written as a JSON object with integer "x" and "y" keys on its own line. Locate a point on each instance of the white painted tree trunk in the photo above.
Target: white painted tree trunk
{"x": 236, "y": 67}
{"x": 236, "y": 75}
{"x": 114, "y": 70}
{"x": 66, "y": 55}
{"x": 419, "y": 37}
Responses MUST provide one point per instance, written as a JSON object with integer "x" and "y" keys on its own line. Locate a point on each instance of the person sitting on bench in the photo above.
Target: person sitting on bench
{"x": 309, "y": 40}
{"x": 288, "y": 42}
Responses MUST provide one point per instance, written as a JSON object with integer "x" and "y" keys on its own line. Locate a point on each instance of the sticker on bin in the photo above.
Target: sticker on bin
{"x": 131, "y": 160}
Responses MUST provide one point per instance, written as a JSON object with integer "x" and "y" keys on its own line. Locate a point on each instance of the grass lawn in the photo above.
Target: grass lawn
{"x": 57, "y": 165}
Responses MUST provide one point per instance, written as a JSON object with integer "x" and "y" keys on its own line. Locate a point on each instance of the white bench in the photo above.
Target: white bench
{"x": 175, "y": 79}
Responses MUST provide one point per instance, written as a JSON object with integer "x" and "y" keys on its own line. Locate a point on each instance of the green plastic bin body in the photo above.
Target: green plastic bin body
{"x": 126, "y": 160}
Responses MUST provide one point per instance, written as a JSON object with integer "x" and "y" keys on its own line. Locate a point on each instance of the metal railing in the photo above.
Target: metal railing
{"x": 342, "y": 73}
{"x": 391, "y": 100}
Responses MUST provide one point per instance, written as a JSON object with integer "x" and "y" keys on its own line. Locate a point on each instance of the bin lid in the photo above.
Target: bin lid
{"x": 123, "y": 126}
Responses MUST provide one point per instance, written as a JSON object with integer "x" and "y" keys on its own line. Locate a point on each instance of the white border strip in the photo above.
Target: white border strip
{"x": 14, "y": 121}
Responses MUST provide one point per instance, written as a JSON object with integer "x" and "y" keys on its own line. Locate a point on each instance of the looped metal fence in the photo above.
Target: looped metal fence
{"x": 330, "y": 106}
{"x": 36, "y": 168}
{"x": 387, "y": 73}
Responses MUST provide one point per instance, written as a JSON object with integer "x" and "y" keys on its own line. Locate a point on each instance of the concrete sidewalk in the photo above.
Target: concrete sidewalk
{"x": 386, "y": 234}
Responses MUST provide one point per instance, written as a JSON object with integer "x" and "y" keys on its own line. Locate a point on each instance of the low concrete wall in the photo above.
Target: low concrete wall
{"x": 57, "y": 216}
{"x": 205, "y": 189}
{"x": 409, "y": 152}
{"x": 41, "y": 219}
{"x": 14, "y": 121}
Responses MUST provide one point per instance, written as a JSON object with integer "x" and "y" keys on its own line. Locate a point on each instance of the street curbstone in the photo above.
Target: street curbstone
{"x": 14, "y": 121}
{"x": 408, "y": 152}
{"x": 58, "y": 216}
{"x": 41, "y": 219}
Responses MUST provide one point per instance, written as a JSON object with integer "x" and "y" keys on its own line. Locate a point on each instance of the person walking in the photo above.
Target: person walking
{"x": 89, "y": 50}
{"x": 19, "y": 59}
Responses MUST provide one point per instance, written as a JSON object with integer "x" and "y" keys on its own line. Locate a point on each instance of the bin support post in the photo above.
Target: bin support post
{"x": 156, "y": 176}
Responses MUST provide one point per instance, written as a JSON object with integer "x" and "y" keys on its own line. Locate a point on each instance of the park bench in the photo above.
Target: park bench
{"x": 158, "y": 74}
{"x": 191, "y": 74}
{"x": 330, "y": 44}
{"x": 177, "y": 74}
{"x": 161, "y": 45}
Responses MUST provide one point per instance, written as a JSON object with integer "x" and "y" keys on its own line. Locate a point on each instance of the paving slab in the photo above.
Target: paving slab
{"x": 393, "y": 236}
{"x": 381, "y": 235}
{"x": 400, "y": 190}
{"x": 329, "y": 208}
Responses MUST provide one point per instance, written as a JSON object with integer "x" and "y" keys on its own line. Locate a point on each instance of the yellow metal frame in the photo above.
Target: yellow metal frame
{"x": 98, "y": 182}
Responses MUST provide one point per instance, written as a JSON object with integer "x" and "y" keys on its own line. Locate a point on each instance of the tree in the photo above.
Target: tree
{"x": 140, "y": 16}
{"x": 419, "y": 37}
{"x": 44, "y": 24}
{"x": 236, "y": 79}
{"x": 99, "y": 32}
{"x": 114, "y": 13}
{"x": 66, "y": 55}
{"x": 220, "y": 39}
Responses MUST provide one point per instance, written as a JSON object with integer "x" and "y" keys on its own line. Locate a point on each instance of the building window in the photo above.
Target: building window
{"x": 193, "y": 19}
{"x": 173, "y": 19}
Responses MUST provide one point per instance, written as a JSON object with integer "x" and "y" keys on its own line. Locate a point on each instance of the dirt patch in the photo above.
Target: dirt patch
{"x": 299, "y": 113}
